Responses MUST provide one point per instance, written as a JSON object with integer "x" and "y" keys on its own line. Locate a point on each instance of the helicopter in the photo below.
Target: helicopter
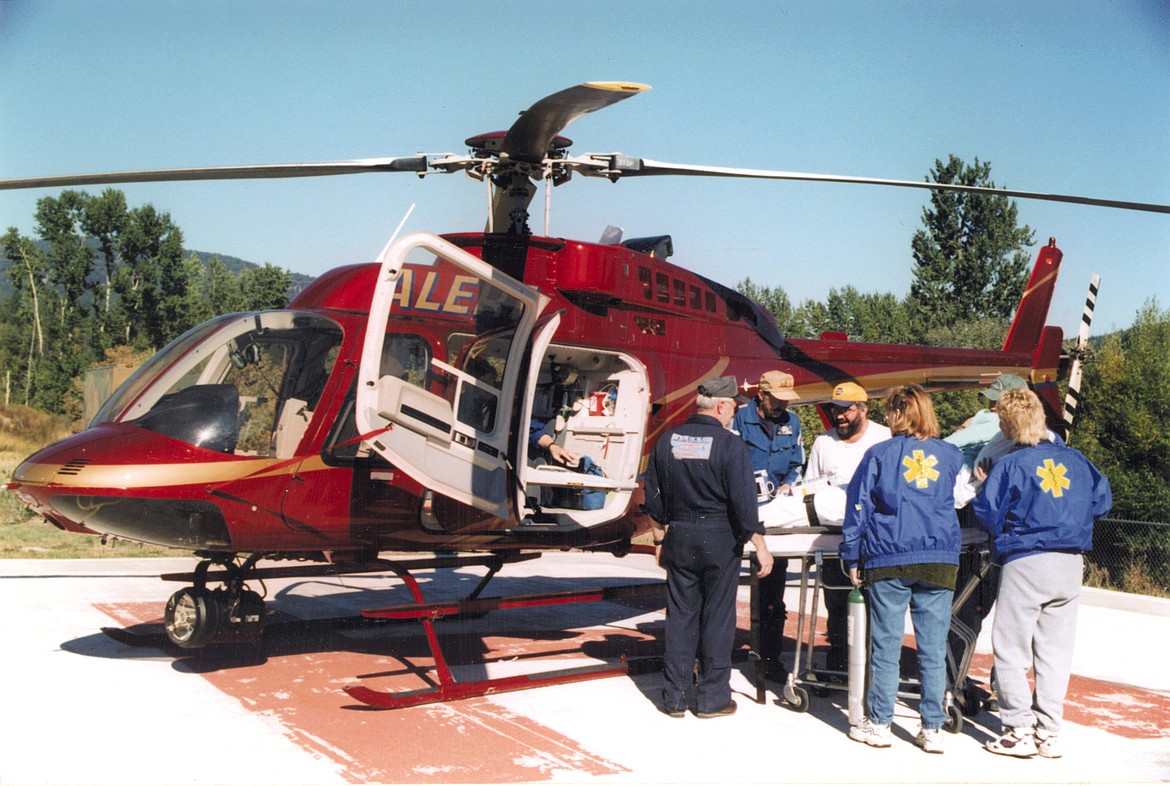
{"x": 390, "y": 407}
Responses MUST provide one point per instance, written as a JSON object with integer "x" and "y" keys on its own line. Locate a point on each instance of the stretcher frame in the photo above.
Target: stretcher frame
{"x": 812, "y": 546}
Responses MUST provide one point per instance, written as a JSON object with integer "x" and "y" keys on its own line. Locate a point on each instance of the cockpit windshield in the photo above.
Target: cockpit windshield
{"x": 246, "y": 384}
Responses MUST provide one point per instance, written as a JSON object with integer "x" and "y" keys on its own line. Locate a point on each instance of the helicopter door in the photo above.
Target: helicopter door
{"x": 446, "y": 425}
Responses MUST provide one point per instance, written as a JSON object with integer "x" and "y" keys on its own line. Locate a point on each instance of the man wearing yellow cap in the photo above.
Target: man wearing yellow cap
{"x": 835, "y": 456}
{"x": 773, "y": 437}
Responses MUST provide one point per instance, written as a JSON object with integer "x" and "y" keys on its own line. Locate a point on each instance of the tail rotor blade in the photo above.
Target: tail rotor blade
{"x": 1072, "y": 399}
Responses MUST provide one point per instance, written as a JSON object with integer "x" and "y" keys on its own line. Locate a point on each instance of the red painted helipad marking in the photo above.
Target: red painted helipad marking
{"x": 474, "y": 741}
{"x": 477, "y": 740}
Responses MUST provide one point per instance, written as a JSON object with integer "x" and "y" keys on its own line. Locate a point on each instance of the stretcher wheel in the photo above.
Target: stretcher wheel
{"x": 954, "y": 722}
{"x": 798, "y": 699}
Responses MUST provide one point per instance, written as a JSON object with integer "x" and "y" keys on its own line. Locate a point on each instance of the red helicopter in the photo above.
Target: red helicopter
{"x": 388, "y": 408}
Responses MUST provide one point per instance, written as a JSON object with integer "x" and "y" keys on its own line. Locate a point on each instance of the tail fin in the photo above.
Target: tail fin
{"x": 1029, "y": 335}
{"x": 1024, "y": 335}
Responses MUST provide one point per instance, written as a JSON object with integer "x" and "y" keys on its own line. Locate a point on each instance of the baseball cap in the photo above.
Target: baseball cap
{"x": 848, "y": 393}
{"x": 720, "y": 387}
{"x": 1003, "y": 382}
{"x": 779, "y": 385}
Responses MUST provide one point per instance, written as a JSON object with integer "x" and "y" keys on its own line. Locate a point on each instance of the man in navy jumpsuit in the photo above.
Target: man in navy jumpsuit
{"x": 776, "y": 447}
{"x": 699, "y": 482}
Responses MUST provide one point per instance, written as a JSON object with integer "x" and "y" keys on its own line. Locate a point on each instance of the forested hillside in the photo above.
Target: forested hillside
{"x": 103, "y": 278}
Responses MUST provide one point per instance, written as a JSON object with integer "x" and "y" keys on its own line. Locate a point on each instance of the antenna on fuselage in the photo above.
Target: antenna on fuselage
{"x": 386, "y": 248}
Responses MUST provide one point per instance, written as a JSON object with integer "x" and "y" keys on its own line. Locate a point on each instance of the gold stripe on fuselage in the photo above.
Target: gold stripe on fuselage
{"x": 132, "y": 476}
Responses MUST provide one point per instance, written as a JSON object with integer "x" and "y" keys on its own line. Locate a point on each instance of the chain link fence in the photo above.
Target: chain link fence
{"x": 1130, "y": 556}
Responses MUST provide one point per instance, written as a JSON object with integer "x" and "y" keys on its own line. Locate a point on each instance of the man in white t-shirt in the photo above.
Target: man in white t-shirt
{"x": 835, "y": 456}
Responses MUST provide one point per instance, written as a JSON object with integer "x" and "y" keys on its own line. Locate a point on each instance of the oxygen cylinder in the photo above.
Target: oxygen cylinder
{"x": 857, "y": 630}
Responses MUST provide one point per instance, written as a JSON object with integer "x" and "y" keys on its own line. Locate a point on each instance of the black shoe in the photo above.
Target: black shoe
{"x": 728, "y": 710}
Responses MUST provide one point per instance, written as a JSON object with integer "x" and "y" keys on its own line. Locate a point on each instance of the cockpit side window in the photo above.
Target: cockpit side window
{"x": 249, "y": 388}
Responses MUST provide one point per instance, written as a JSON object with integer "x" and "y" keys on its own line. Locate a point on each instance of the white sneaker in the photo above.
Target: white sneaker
{"x": 876, "y": 734}
{"x": 1048, "y": 744}
{"x": 1015, "y": 742}
{"x": 930, "y": 740}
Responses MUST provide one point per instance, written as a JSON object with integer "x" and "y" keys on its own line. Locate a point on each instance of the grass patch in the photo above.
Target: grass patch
{"x": 36, "y": 538}
{"x": 23, "y": 534}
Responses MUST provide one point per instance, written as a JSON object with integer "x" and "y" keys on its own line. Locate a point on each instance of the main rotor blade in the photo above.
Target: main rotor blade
{"x": 626, "y": 167}
{"x": 320, "y": 169}
{"x": 530, "y": 136}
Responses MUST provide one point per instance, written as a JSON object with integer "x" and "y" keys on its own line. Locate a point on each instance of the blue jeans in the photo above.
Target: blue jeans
{"x": 930, "y": 611}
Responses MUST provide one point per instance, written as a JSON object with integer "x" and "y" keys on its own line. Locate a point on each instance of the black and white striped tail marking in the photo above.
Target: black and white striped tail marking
{"x": 1073, "y": 399}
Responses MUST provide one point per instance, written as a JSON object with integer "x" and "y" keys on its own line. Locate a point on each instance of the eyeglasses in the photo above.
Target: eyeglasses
{"x": 838, "y": 410}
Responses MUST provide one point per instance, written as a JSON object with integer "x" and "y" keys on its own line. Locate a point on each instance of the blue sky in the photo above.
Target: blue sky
{"x": 1069, "y": 97}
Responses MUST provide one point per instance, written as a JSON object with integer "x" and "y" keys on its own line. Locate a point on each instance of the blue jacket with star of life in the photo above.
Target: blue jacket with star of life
{"x": 1042, "y": 498}
{"x": 900, "y": 507}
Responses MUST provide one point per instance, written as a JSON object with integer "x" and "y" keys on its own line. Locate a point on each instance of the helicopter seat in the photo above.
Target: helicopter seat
{"x": 290, "y": 427}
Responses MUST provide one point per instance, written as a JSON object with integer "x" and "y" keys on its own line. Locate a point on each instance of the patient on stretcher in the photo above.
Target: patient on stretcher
{"x": 815, "y": 504}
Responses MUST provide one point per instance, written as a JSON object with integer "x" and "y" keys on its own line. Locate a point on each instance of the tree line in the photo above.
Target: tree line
{"x": 101, "y": 277}
{"x": 970, "y": 266}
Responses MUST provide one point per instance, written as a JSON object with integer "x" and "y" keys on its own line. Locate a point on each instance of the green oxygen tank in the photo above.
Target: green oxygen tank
{"x": 857, "y": 641}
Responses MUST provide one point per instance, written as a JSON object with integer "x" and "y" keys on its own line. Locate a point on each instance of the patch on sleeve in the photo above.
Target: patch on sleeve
{"x": 690, "y": 448}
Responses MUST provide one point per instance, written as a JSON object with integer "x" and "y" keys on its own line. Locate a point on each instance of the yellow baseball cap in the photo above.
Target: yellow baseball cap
{"x": 847, "y": 394}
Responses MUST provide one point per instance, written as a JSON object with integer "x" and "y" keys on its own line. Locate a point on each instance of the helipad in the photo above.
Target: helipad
{"x": 80, "y": 707}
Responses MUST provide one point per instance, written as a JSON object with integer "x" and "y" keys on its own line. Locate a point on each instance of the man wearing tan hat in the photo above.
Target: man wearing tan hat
{"x": 835, "y": 456}
{"x": 773, "y": 437}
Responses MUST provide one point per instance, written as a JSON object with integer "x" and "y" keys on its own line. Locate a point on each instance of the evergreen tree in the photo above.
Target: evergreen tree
{"x": 879, "y": 317}
{"x": 772, "y": 298}
{"x": 971, "y": 260}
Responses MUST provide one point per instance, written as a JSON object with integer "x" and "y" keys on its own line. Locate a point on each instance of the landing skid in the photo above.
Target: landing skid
{"x": 199, "y": 617}
{"x": 493, "y": 561}
{"x": 450, "y": 689}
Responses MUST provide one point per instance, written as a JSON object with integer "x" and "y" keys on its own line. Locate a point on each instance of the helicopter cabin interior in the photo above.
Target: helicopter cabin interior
{"x": 595, "y": 405}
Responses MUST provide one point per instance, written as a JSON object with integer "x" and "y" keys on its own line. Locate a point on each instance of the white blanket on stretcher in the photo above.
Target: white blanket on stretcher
{"x": 791, "y": 510}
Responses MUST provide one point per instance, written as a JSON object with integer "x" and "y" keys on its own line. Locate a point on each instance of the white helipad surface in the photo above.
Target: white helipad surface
{"x": 79, "y": 707}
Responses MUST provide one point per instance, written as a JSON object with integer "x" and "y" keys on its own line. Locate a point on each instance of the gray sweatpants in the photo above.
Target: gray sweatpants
{"x": 1035, "y": 628}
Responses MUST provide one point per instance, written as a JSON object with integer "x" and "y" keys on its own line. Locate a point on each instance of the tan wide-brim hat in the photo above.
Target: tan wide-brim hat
{"x": 779, "y": 385}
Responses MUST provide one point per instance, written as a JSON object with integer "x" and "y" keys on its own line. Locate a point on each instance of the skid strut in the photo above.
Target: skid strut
{"x": 449, "y": 689}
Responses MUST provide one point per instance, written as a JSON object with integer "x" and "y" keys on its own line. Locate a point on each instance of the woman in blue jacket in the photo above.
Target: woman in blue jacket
{"x": 901, "y": 535}
{"x": 1038, "y": 503}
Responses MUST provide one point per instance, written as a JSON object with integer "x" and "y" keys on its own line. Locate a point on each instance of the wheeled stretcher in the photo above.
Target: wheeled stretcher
{"x": 811, "y": 546}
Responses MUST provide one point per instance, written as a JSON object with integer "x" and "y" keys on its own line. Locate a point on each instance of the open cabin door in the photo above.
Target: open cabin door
{"x": 444, "y": 418}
